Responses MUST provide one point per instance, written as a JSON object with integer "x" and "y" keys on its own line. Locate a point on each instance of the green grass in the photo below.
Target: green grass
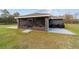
{"x": 73, "y": 27}
{"x": 14, "y": 38}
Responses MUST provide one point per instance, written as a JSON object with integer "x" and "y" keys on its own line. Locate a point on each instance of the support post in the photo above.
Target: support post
{"x": 46, "y": 24}
{"x": 18, "y": 23}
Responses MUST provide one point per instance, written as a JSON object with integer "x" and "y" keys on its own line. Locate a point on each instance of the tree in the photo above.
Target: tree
{"x": 7, "y": 18}
{"x": 5, "y": 13}
{"x": 16, "y": 14}
{"x": 68, "y": 18}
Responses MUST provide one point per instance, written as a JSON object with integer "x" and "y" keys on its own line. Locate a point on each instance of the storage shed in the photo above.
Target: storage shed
{"x": 39, "y": 21}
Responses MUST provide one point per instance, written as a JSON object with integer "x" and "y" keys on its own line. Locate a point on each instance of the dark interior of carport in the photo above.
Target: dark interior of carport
{"x": 56, "y": 23}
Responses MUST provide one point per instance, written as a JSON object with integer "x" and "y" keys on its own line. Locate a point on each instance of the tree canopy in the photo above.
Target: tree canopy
{"x": 7, "y": 18}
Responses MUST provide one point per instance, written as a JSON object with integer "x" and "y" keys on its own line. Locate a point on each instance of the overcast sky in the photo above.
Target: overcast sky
{"x": 56, "y": 12}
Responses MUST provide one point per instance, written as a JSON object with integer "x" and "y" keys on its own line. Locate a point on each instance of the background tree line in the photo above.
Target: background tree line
{"x": 7, "y": 18}
{"x": 68, "y": 18}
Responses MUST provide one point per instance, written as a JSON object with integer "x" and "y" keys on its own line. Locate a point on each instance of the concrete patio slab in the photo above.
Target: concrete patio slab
{"x": 61, "y": 31}
{"x": 27, "y": 31}
{"x": 12, "y": 27}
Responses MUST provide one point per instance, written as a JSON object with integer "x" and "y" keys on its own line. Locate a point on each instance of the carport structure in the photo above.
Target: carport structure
{"x": 38, "y": 21}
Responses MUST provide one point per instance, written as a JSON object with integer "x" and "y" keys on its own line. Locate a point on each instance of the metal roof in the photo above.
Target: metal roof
{"x": 40, "y": 15}
{"x": 34, "y": 15}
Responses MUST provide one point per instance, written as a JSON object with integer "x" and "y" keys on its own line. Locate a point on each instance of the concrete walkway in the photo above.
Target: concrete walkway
{"x": 12, "y": 27}
{"x": 26, "y": 30}
{"x": 61, "y": 30}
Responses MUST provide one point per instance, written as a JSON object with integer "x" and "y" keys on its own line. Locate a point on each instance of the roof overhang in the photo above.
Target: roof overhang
{"x": 32, "y": 16}
{"x": 40, "y": 15}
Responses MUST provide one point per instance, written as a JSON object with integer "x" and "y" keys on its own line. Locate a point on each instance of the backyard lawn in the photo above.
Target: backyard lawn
{"x": 73, "y": 27}
{"x": 14, "y": 38}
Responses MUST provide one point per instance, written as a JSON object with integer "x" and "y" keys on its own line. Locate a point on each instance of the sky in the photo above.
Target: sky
{"x": 56, "y": 12}
{"x": 53, "y": 11}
